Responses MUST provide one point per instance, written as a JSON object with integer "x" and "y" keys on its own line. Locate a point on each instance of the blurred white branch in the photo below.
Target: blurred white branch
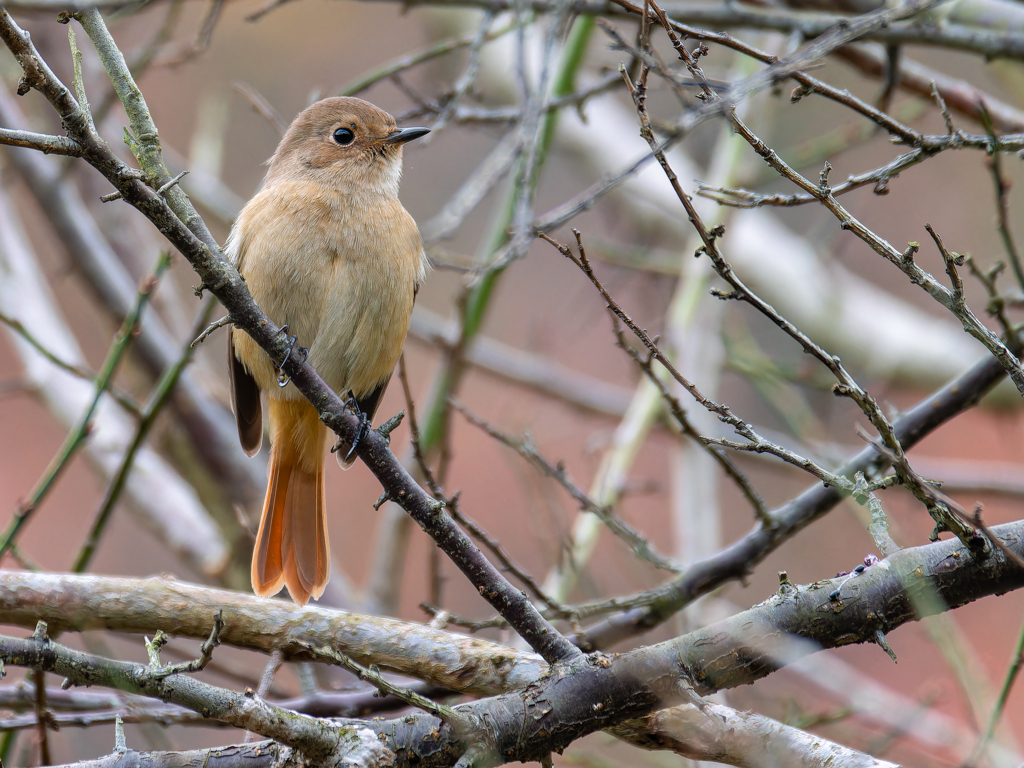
{"x": 156, "y": 494}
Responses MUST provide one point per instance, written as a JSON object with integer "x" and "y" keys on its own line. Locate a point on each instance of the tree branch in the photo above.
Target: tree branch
{"x": 738, "y": 559}
{"x": 222, "y": 279}
{"x": 598, "y": 691}
{"x": 454, "y": 662}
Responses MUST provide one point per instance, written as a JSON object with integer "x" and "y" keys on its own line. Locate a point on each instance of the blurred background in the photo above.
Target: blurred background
{"x": 544, "y": 367}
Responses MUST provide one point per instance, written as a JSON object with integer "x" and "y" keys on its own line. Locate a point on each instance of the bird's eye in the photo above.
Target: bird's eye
{"x": 344, "y": 136}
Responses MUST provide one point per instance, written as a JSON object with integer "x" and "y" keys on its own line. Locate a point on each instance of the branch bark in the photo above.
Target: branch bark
{"x": 599, "y": 691}
{"x": 455, "y": 662}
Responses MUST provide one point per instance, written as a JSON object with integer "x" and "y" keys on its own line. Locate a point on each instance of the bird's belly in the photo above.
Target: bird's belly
{"x": 363, "y": 325}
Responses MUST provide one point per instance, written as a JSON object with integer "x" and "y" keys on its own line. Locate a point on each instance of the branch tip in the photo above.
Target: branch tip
{"x": 385, "y": 429}
{"x": 884, "y": 645}
{"x": 120, "y": 743}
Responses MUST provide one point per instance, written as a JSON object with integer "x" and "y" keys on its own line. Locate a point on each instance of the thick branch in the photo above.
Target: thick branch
{"x": 454, "y": 662}
{"x": 600, "y": 691}
{"x": 263, "y": 754}
{"x": 799, "y": 620}
{"x": 744, "y": 739}
{"x": 312, "y": 735}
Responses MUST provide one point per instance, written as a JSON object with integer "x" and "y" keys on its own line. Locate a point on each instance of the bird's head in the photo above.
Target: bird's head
{"x": 344, "y": 143}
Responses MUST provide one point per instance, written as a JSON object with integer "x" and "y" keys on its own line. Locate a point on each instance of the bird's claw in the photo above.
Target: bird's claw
{"x": 364, "y": 427}
{"x": 282, "y": 377}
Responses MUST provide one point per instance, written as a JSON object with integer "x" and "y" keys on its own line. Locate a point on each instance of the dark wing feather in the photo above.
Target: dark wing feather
{"x": 368, "y": 404}
{"x": 245, "y": 402}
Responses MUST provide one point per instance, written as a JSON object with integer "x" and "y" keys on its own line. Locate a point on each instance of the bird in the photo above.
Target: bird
{"x": 327, "y": 250}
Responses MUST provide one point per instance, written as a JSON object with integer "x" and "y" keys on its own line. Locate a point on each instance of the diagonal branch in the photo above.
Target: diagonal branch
{"x": 740, "y": 557}
{"x": 186, "y": 231}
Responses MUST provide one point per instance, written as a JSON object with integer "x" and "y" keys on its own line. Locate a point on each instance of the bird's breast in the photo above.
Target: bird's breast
{"x": 338, "y": 269}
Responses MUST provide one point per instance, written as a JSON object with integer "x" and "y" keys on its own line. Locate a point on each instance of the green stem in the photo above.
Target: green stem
{"x": 75, "y": 370}
{"x": 7, "y": 744}
{"x": 160, "y": 396}
{"x": 77, "y": 435}
{"x": 1004, "y": 694}
{"x": 479, "y": 295}
{"x": 142, "y": 139}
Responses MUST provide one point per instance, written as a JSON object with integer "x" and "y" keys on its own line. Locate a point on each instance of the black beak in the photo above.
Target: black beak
{"x": 406, "y": 134}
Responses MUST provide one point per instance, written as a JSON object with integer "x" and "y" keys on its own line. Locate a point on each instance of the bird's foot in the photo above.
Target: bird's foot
{"x": 364, "y": 427}
{"x": 282, "y": 377}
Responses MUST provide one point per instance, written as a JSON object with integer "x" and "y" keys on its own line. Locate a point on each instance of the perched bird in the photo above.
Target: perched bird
{"x": 327, "y": 249}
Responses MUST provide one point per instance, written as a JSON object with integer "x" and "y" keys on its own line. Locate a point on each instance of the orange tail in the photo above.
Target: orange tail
{"x": 291, "y": 546}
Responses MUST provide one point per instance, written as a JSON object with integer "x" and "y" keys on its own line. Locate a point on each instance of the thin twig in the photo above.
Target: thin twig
{"x": 220, "y": 323}
{"x": 736, "y": 561}
{"x": 1002, "y": 190}
{"x": 709, "y": 444}
{"x": 263, "y": 107}
{"x": 267, "y": 681}
{"x": 756, "y": 442}
{"x": 902, "y": 260}
{"x": 997, "y": 302}
{"x": 161, "y": 394}
{"x": 636, "y": 542}
{"x": 555, "y": 610}
{"x": 316, "y": 737}
{"x": 414, "y": 430}
{"x": 74, "y": 438}
{"x": 468, "y": 78}
{"x": 42, "y": 717}
{"x": 373, "y": 676}
{"x": 125, "y": 400}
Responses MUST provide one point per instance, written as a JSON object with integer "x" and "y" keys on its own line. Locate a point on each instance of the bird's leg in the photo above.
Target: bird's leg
{"x": 364, "y": 427}
{"x": 282, "y": 377}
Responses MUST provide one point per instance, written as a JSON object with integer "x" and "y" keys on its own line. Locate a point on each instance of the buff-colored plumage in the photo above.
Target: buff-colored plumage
{"x": 327, "y": 249}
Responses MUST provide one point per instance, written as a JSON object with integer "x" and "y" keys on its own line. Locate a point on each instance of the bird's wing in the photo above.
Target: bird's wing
{"x": 245, "y": 402}
{"x": 368, "y": 404}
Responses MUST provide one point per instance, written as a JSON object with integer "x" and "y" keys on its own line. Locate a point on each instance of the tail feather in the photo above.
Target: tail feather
{"x": 291, "y": 547}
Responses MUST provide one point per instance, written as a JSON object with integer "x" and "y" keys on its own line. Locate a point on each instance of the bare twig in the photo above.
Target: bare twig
{"x": 755, "y": 442}
{"x": 313, "y": 736}
{"x": 554, "y": 609}
{"x": 636, "y": 542}
{"x": 263, "y": 107}
{"x": 42, "y": 715}
{"x": 960, "y": 96}
{"x": 736, "y": 560}
{"x": 123, "y": 398}
{"x": 468, "y": 78}
{"x": 373, "y": 676}
{"x": 414, "y": 429}
{"x": 902, "y": 260}
{"x": 226, "y": 320}
{"x": 74, "y": 439}
{"x": 161, "y": 395}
